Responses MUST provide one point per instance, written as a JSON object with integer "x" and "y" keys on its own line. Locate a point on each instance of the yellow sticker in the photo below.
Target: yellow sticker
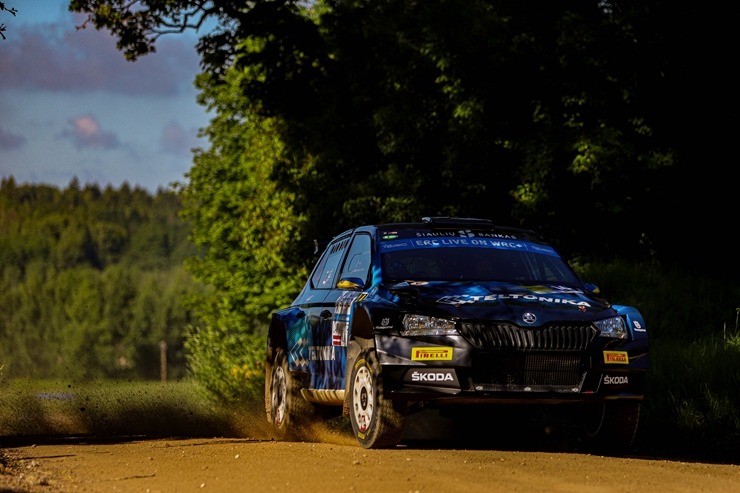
{"x": 431, "y": 353}
{"x": 616, "y": 357}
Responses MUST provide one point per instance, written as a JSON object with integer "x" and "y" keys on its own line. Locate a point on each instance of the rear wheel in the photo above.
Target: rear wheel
{"x": 611, "y": 426}
{"x": 377, "y": 422}
{"x": 288, "y": 411}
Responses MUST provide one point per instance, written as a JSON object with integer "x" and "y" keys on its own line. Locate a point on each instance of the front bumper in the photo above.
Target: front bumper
{"x": 451, "y": 370}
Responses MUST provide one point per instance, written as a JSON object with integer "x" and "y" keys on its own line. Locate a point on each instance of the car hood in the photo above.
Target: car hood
{"x": 531, "y": 305}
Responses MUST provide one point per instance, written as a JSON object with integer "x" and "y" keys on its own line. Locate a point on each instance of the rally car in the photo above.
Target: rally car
{"x": 451, "y": 312}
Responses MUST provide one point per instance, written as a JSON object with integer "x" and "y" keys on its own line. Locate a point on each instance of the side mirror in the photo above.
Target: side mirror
{"x": 351, "y": 283}
{"x": 592, "y": 288}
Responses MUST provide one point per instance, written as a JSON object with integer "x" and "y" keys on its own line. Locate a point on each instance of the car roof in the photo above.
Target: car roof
{"x": 447, "y": 222}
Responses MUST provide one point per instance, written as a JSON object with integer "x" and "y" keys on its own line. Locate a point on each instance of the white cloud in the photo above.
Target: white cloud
{"x": 73, "y": 106}
{"x": 87, "y": 134}
{"x": 57, "y": 57}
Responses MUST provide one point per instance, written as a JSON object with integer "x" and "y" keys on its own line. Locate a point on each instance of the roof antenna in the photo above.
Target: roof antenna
{"x": 315, "y": 246}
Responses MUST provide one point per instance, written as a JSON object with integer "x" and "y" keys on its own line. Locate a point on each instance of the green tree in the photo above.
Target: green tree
{"x": 85, "y": 345}
{"x": 75, "y": 246}
{"x": 158, "y": 314}
{"x": 26, "y": 320}
{"x": 120, "y": 287}
{"x": 244, "y": 227}
{"x": 110, "y": 240}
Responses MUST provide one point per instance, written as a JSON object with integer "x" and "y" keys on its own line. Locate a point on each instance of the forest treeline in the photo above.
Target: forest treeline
{"x": 92, "y": 281}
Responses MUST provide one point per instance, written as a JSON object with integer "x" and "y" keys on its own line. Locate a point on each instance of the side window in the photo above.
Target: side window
{"x": 325, "y": 274}
{"x": 358, "y": 258}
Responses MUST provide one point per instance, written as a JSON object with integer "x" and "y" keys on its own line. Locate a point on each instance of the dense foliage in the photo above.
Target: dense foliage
{"x": 92, "y": 281}
{"x": 590, "y": 120}
{"x": 246, "y": 228}
{"x": 593, "y": 122}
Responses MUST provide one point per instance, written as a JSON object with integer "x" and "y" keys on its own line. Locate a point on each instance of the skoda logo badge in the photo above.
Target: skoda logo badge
{"x": 529, "y": 318}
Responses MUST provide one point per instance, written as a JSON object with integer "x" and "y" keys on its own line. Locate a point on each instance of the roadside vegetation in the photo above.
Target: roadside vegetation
{"x": 692, "y": 407}
{"x": 113, "y": 408}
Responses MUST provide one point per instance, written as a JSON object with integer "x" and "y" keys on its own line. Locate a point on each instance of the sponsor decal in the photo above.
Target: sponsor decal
{"x": 440, "y": 377}
{"x": 299, "y": 353}
{"x": 437, "y": 242}
{"x": 451, "y": 239}
{"x": 463, "y": 233}
{"x": 437, "y": 376}
{"x": 342, "y": 314}
{"x": 543, "y": 249}
{"x": 385, "y": 323}
{"x": 541, "y": 289}
{"x": 616, "y": 357}
{"x": 637, "y": 326}
{"x": 403, "y": 245}
{"x": 462, "y": 299}
{"x": 616, "y": 380}
{"x": 438, "y": 353}
{"x": 321, "y": 353}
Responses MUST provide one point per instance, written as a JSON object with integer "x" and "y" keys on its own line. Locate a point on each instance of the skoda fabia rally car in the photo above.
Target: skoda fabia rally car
{"x": 451, "y": 313}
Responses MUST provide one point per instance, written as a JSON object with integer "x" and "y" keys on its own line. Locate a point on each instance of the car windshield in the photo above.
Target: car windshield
{"x": 461, "y": 260}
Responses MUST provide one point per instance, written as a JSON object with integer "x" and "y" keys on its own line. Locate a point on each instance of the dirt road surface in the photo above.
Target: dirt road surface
{"x": 336, "y": 463}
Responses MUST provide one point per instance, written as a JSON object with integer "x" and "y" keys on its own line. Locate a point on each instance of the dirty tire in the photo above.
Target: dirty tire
{"x": 611, "y": 427}
{"x": 288, "y": 412}
{"x": 377, "y": 422}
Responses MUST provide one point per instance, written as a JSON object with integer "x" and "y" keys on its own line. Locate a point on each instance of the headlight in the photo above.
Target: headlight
{"x": 614, "y": 328}
{"x": 421, "y": 325}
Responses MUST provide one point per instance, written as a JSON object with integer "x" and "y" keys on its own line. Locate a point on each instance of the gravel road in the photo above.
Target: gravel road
{"x": 336, "y": 463}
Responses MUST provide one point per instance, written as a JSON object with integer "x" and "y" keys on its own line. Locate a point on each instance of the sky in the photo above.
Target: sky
{"x": 71, "y": 106}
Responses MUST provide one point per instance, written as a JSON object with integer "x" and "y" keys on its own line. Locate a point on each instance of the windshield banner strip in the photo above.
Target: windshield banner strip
{"x": 420, "y": 243}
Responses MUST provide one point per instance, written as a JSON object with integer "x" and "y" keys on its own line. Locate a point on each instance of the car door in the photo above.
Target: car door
{"x": 328, "y": 355}
{"x": 313, "y": 343}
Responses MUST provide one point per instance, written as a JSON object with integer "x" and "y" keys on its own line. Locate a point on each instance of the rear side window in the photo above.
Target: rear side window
{"x": 325, "y": 274}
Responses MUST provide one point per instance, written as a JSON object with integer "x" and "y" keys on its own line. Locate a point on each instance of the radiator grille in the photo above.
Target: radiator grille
{"x": 555, "y": 337}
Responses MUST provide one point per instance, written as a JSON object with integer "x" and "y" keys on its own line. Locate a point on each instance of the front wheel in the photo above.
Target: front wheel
{"x": 377, "y": 422}
{"x": 611, "y": 426}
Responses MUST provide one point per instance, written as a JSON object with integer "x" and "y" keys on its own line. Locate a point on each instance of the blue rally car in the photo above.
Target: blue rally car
{"x": 451, "y": 313}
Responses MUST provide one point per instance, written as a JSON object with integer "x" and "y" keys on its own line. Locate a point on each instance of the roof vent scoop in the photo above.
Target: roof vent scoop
{"x": 456, "y": 221}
